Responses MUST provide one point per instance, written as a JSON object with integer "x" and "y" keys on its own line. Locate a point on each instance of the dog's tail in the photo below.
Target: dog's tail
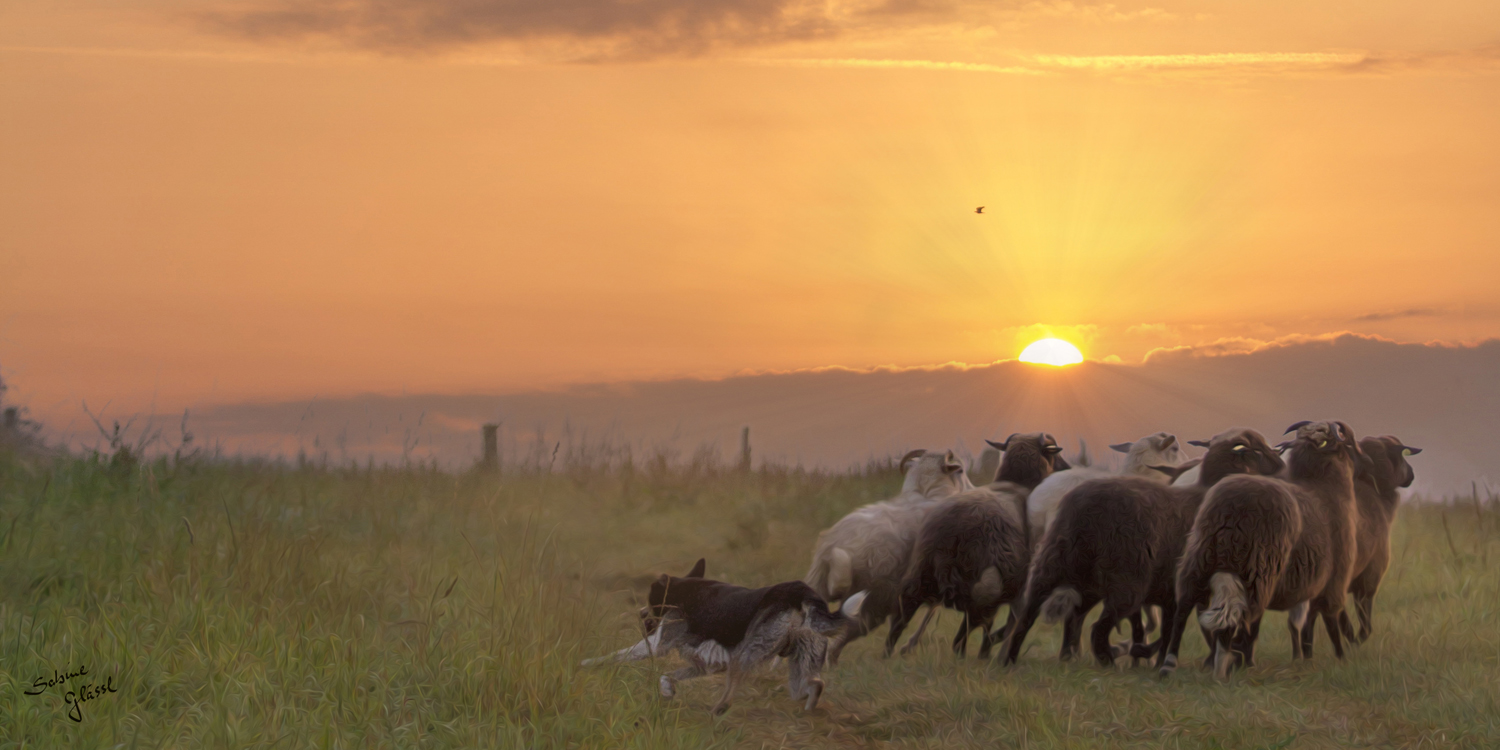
{"x": 815, "y": 612}
{"x": 1228, "y": 606}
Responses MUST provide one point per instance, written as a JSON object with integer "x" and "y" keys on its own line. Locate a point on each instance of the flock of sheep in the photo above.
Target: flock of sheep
{"x": 1232, "y": 534}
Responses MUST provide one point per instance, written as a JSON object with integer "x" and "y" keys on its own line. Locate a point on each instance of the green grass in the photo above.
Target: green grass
{"x": 255, "y": 605}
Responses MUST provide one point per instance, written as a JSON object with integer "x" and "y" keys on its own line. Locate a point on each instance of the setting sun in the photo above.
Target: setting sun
{"x": 1055, "y": 352}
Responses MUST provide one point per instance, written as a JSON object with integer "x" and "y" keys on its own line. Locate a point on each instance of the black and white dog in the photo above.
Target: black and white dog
{"x": 722, "y": 627}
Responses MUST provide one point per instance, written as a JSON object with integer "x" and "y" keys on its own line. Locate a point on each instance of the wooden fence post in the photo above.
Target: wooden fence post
{"x": 491, "y": 461}
{"x": 745, "y": 449}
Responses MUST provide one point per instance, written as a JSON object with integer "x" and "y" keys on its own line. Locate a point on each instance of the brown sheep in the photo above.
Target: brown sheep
{"x": 1261, "y": 544}
{"x": 972, "y": 552}
{"x": 1376, "y": 493}
{"x": 1118, "y": 540}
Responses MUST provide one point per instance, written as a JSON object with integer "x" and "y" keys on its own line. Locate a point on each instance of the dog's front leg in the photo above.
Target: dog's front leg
{"x": 643, "y": 650}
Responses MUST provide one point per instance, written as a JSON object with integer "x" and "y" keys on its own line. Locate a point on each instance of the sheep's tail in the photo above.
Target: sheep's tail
{"x": 831, "y": 574}
{"x": 1063, "y": 603}
{"x": 1228, "y": 606}
{"x": 817, "y": 616}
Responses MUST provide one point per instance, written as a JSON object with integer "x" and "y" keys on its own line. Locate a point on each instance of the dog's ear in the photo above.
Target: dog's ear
{"x": 1121, "y": 447}
{"x": 698, "y": 568}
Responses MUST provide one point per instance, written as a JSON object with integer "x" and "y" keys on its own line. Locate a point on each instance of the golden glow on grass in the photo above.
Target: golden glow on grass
{"x": 1055, "y": 352}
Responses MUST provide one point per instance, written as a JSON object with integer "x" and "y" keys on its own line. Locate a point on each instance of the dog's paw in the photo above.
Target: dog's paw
{"x": 668, "y": 689}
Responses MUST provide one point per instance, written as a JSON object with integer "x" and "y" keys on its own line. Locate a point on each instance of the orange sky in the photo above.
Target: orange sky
{"x": 217, "y": 202}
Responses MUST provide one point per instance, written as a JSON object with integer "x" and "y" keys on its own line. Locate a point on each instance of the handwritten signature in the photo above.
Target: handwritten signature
{"x": 75, "y": 699}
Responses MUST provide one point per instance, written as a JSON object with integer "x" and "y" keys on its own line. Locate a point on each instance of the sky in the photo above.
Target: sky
{"x": 213, "y": 203}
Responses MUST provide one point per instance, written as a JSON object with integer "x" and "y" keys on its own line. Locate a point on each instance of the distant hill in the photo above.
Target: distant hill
{"x": 1445, "y": 399}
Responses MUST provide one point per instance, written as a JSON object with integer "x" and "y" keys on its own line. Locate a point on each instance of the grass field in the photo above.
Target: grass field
{"x": 261, "y": 605}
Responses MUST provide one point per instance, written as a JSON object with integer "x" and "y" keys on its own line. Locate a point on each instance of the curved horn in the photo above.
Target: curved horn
{"x": 1283, "y": 445}
{"x": 909, "y": 456}
{"x": 1297, "y": 426}
{"x": 1199, "y": 443}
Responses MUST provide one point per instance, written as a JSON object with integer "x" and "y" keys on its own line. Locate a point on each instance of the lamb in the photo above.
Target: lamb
{"x": 1156, "y": 450}
{"x": 1376, "y": 494}
{"x": 1117, "y": 539}
{"x": 870, "y": 548}
{"x": 972, "y": 552}
{"x": 1260, "y": 543}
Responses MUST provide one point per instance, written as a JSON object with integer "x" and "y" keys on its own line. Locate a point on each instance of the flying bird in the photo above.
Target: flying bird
{"x": 979, "y": 210}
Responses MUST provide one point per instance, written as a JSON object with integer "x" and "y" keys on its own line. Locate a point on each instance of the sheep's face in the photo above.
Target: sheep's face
{"x": 1160, "y": 449}
{"x": 1388, "y": 458}
{"x": 933, "y": 474}
{"x": 1238, "y": 451}
{"x": 1029, "y": 458}
{"x": 1324, "y": 444}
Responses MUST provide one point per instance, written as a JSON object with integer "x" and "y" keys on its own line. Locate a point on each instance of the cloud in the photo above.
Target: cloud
{"x": 591, "y": 30}
{"x": 1439, "y": 397}
{"x": 1415, "y": 312}
{"x": 610, "y": 28}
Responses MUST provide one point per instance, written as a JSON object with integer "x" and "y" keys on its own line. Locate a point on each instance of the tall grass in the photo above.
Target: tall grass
{"x": 253, "y": 604}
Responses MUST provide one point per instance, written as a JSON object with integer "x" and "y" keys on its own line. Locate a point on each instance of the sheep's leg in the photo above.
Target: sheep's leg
{"x": 1109, "y": 618}
{"x": 857, "y": 628}
{"x": 1173, "y": 636}
{"x": 1159, "y": 647}
{"x": 1222, "y": 654}
{"x": 904, "y": 611}
{"x": 1299, "y": 622}
{"x": 1346, "y": 626}
{"x": 1364, "y": 605}
{"x": 1072, "y": 638}
{"x": 997, "y": 636}
{"x": 911, "y": 643}
{"x": 1331, "y": 624}
{"x": 1246, "y": 652}
{"x": 1019, "y": 627}
{"x": 1137, "y": 640}
{"x": 961, "y": 638}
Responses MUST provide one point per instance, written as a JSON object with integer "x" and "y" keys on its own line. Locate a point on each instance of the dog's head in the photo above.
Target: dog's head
{"x": 660, "y": 602}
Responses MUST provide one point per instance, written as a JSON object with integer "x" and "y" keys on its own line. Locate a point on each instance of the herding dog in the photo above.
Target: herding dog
{"x": 720, "y": 627}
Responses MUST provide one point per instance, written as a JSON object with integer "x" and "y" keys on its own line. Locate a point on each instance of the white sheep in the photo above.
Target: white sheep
{"x": 870, "y": 548}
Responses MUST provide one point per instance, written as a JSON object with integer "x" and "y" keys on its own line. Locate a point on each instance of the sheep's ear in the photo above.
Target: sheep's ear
{"x": 1199, "y": 443}
{"x": 951, "y": 464}
{"x": 909, "y": 457}
{"x": 1297, "y": 426}
{"x": 1005, "y": 445}
{"x": 1166, "y": 442}
{"x": 1121, "y": 447}
{"x": 698, "y": 568}
{"x": 1176, "y": 471}
{"x": 1283, "y": 445}
{"x": 1407, "y": 450}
